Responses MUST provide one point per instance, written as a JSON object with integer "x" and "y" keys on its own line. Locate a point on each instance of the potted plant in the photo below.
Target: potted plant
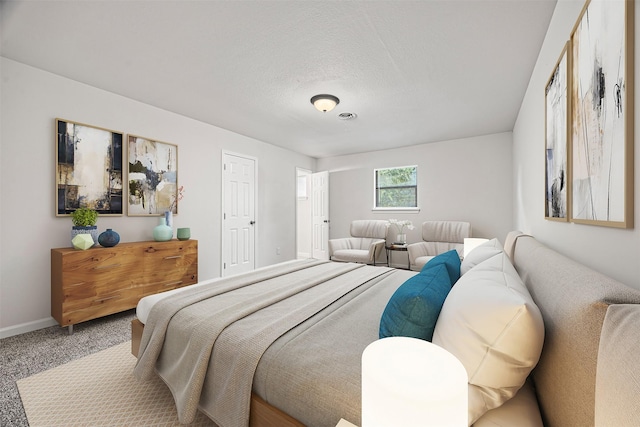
{"x": 84, "y": 222}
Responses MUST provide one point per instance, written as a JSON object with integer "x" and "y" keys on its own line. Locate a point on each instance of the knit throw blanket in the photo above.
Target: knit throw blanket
{"x": 206, "y": 343}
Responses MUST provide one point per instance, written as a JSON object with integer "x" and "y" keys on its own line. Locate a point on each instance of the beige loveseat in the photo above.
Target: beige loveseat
{"x": 438, "y": 237}
{"x": 365, "y": 244}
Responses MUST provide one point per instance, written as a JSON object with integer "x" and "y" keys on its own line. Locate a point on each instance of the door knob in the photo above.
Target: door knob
{"x": 251, "y": 222}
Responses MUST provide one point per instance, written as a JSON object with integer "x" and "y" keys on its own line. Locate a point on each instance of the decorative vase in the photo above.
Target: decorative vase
{"x": 108, "y": 238}
{"x": 183, "y": 233}
{"x": 92, "y": 230}
{"x": 401, "y": 238}
{"x": 82, "y": 241}
{"x": 168, "y": 217}
{"x": 162, "y": 232}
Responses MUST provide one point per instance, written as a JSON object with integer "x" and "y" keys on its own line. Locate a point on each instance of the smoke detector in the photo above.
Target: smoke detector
{"x": 347, "y": 116}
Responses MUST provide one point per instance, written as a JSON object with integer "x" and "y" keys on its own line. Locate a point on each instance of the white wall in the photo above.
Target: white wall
{"x": 611, "y": 251}
{"x": 31, "y": 99}
{"x": 466, "y": 180}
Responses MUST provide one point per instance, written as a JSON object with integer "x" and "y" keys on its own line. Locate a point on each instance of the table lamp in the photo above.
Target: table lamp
{"x": 470, "y": 243}
{"x": 410, "y": 382}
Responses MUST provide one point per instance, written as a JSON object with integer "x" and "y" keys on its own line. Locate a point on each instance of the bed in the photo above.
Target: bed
{"x": 288, "y": 340}
{"x": 348, "y": 291}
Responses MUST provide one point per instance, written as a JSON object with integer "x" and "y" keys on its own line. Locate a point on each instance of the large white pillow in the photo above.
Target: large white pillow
{"x": 482, "y": 253}
{"x": 491, "y": 324}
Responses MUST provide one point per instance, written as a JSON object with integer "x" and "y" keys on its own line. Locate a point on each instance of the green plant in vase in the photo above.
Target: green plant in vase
{"x": 84, "y": 222}
{"x": 84, "y": 217}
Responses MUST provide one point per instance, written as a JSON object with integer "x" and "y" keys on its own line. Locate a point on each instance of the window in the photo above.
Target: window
{"x": 396, "y": 188}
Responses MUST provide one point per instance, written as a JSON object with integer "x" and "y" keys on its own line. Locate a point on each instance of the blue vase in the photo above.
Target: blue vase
{"x": 162, "y": 232}
{"x": 108, "y": 238}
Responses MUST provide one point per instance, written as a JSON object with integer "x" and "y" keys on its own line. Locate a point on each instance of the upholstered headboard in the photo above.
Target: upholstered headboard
{"x": 574, "y": 301}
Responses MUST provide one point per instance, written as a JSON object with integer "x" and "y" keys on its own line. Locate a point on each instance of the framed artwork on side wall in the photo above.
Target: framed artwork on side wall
{"x": 557, "y": 141}
{"x": 88, "y": 168}
{"x": 153, "y": 177}
{"x": 602, "y": 114}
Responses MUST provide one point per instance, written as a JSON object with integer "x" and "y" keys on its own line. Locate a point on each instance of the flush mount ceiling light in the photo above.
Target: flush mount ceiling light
{"x": 325, "y": 103}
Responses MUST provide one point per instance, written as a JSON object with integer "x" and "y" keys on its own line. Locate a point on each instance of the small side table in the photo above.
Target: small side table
{"x": 397, "y": 247}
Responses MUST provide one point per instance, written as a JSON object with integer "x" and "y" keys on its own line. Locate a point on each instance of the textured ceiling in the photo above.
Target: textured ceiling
{"x": 413, "y": 71}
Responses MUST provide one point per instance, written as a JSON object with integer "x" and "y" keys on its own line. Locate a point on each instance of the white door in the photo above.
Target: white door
{"x": 238, "y": 214}
{"x": 320, "y": 215}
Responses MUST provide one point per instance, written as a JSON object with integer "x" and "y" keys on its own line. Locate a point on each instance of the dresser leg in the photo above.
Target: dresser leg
{"x": 70, "y": 329}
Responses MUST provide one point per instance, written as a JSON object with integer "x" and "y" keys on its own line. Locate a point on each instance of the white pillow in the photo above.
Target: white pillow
{"x": 521, "y": 410}
{"x": 491, "y": 324}
{"x": 480, "y": 254}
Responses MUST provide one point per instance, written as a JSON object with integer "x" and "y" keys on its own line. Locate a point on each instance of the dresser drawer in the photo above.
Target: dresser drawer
{"x": 115, "y": 277}
{"x": 97, "y": 289}
{"x": 98, "y": 266}
{"x": 80, "y": 310}
{"x": 174, "y": 264}
{"x": 74, "y": 302}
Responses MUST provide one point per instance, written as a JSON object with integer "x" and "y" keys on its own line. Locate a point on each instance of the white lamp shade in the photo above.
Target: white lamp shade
{"x": 325, "y": 102}
{"x": 410, "y": 382}
{"x": 470, "y": 243}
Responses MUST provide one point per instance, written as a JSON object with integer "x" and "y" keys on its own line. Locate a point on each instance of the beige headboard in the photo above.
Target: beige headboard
{"x": 573, "y": 300}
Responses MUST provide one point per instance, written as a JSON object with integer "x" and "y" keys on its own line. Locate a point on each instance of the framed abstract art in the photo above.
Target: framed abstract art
{"x": 601, "y": 97}
{"x": 153, "y": 177}
{"x": 88, "y": 168}
{"x": 557, "y": 141}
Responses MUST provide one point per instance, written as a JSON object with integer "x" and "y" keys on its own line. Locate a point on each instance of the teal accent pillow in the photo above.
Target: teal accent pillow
{"x": 451, "y": 260}
{"x": 415, "y": 306}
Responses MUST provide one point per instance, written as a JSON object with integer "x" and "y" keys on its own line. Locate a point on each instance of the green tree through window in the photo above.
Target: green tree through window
{"x": 396, "y": 187}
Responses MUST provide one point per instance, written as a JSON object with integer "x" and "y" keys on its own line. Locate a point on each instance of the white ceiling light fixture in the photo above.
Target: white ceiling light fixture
{"x": 325, "y": 102}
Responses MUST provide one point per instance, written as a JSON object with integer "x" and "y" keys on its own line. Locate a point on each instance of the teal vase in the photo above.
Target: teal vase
{"x": 162, "y": 232}
{"x": 184, "y": 233}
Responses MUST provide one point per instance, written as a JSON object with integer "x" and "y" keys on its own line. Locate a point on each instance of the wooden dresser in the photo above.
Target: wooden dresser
{"x": 101, "y": 281}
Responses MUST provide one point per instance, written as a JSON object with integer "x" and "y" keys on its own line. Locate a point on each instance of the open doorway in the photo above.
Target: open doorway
{"x": 304, "y": 211}
{"x": 312, "y": 214}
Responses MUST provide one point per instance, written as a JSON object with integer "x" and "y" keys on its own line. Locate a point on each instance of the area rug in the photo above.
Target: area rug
{"x": 99, "y": 390}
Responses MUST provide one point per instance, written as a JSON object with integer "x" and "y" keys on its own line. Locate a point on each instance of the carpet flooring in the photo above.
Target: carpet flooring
{"x": 24, "y": 355}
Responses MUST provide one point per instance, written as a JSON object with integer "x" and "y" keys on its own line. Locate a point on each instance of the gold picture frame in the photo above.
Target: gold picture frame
{"x": 152, "y": 178}
{"x": 557, "y": 148}
{"x": 88, "y": 168}
{"x": 602, "y": 95}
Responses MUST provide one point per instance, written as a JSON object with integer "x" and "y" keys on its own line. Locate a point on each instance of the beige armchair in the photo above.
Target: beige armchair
{"x": 439, "y": 237}
{"x": 366, "y": 242}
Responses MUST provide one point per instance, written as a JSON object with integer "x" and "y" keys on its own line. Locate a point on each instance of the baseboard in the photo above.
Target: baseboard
{"x": 23, "y": 328}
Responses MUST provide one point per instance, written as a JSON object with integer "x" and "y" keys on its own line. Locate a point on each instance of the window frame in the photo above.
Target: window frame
{"x": 388, "y": 209}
